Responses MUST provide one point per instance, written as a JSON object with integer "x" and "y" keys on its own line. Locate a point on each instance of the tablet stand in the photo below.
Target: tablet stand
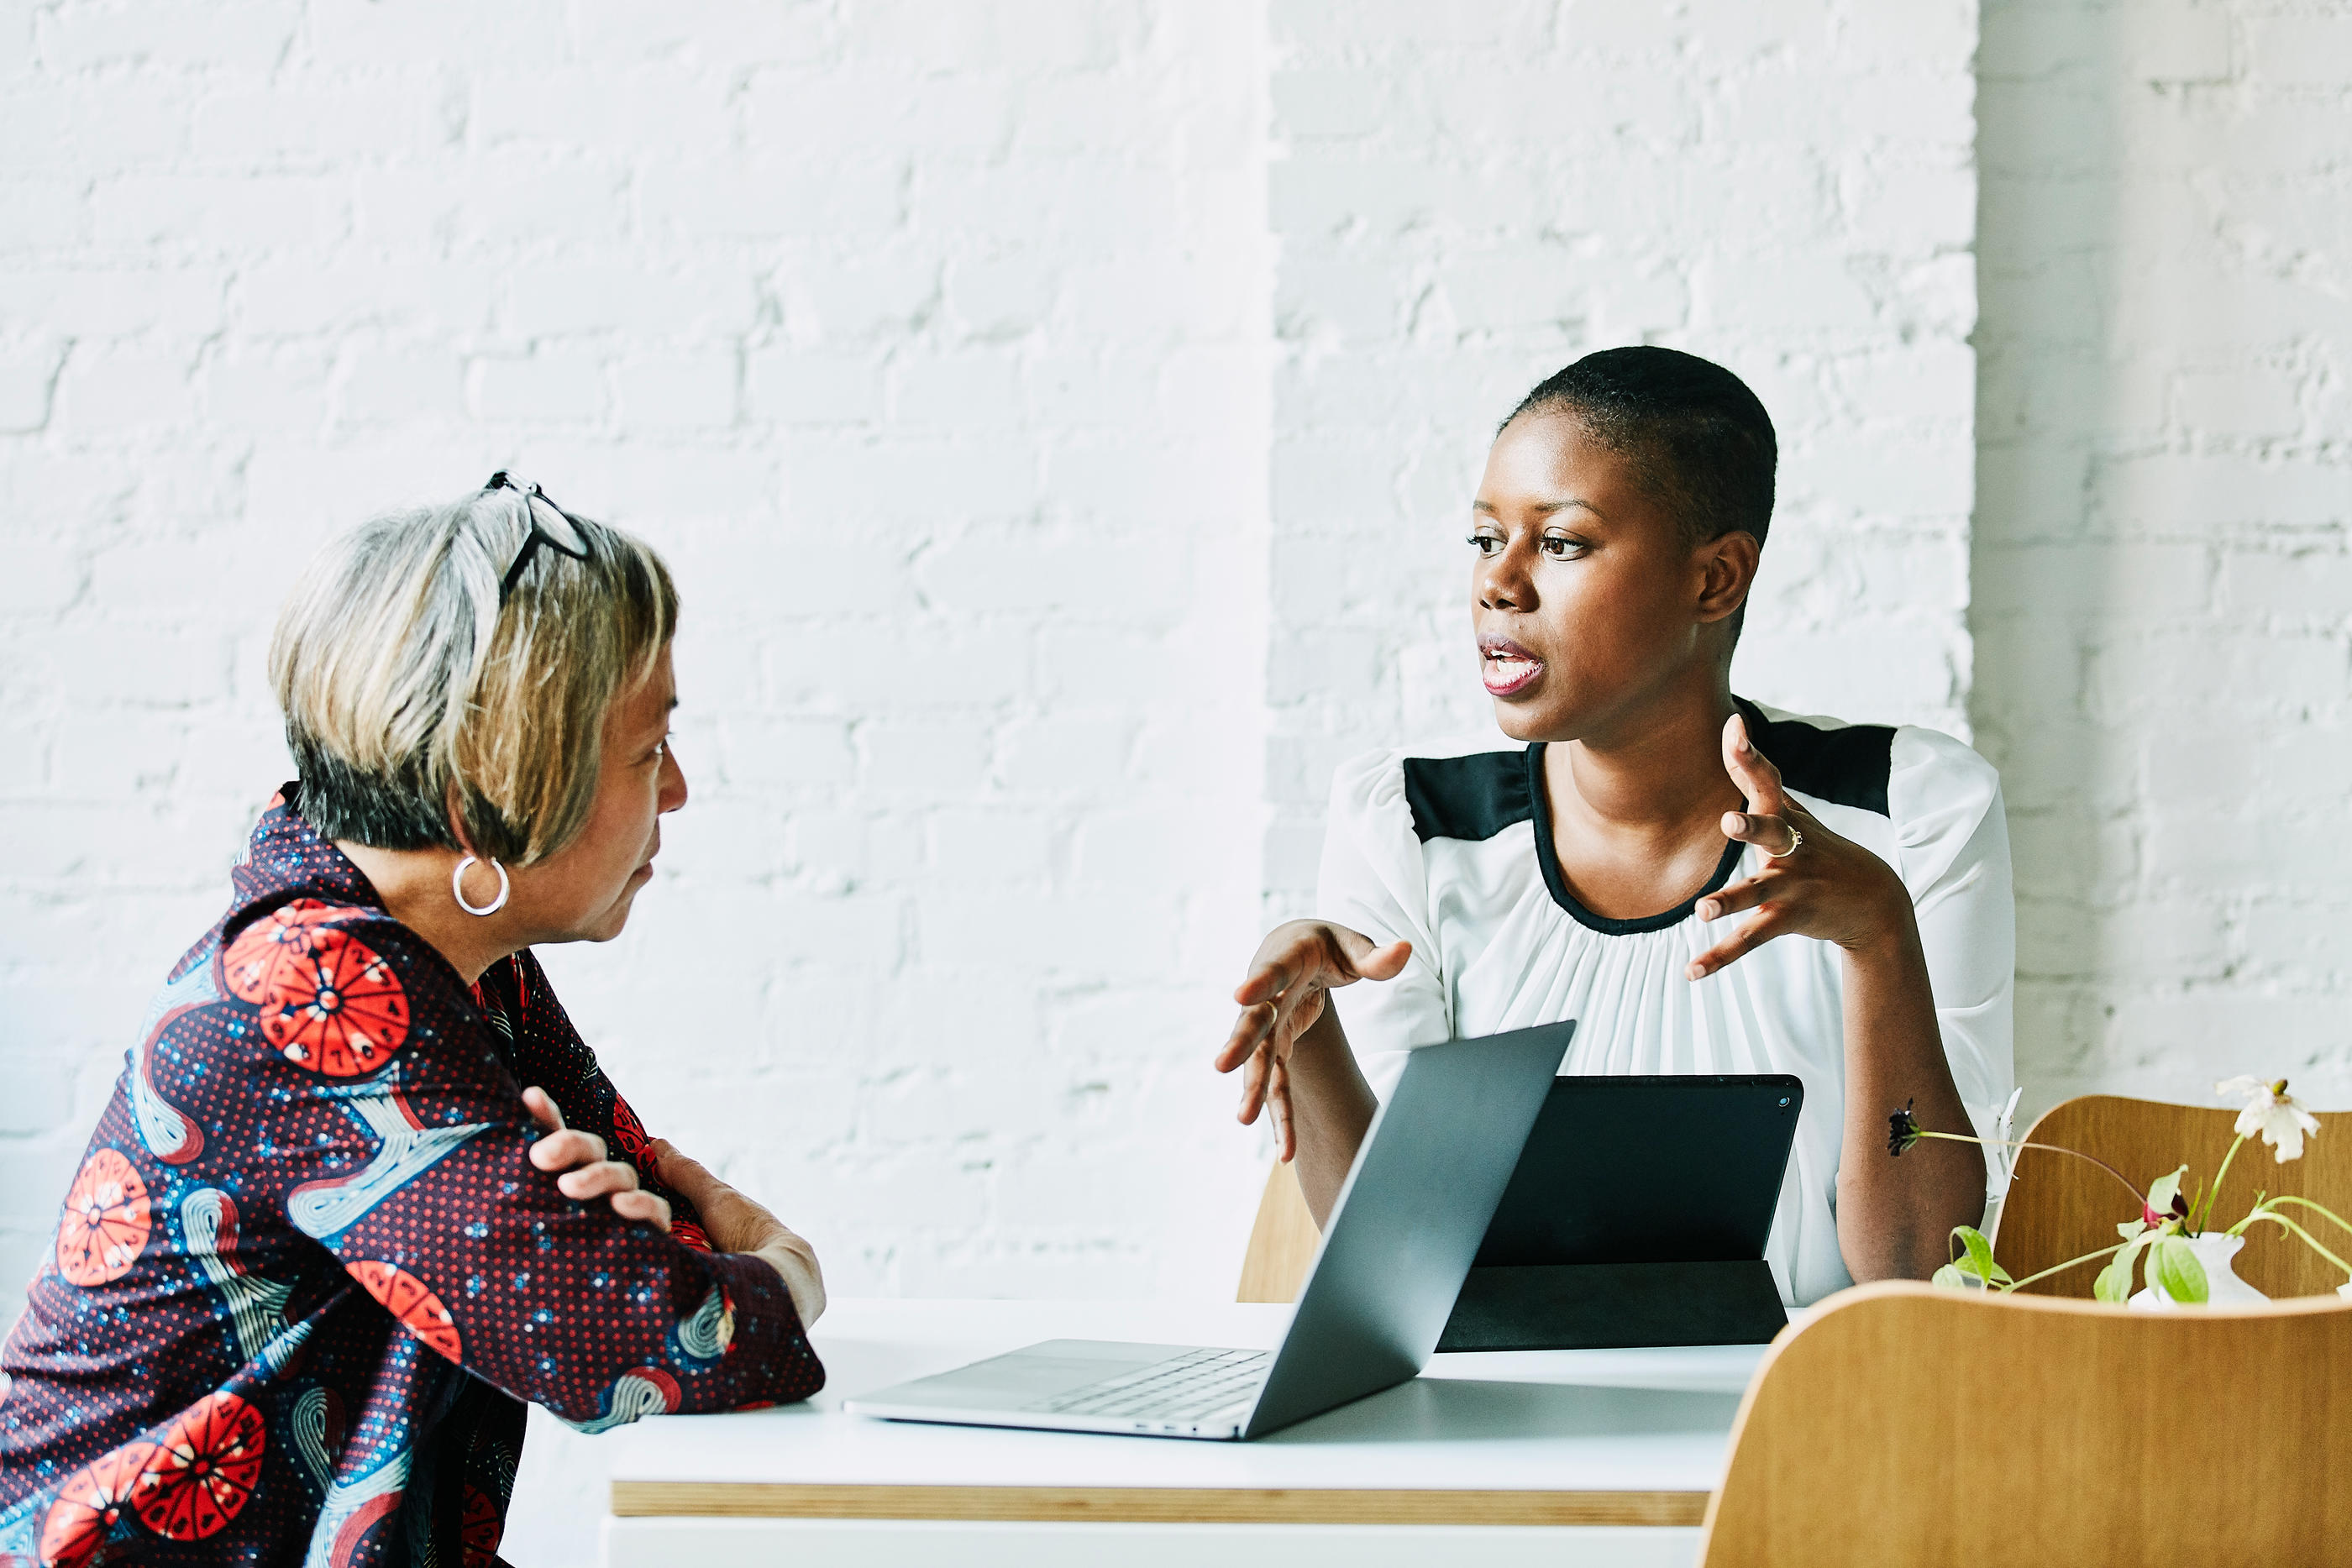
{"x": 1611, "y": 1306}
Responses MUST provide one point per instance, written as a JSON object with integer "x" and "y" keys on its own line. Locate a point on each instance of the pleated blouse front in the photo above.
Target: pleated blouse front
{"x": 1453, "y": 855}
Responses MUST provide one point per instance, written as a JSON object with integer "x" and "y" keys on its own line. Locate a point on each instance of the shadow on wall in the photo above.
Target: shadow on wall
{"x": 2160, "y": 572}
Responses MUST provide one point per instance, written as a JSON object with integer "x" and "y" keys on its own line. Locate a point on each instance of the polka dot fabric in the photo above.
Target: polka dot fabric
{"x": 305, "y": 1278}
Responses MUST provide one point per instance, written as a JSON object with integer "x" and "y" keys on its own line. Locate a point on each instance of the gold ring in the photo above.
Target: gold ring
{"x": 1795, "y": 839}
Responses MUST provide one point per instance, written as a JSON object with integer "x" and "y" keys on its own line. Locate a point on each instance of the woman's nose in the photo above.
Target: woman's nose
{"x": 1504, "y": 584}
{"x": 671, "y": 792}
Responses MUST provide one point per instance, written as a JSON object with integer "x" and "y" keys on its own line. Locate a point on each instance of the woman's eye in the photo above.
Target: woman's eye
{"x": 1486, "y": 544}
{"x": 1560, "y": 547}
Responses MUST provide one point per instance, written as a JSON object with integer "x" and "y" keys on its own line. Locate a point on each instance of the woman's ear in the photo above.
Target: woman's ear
{"x": 1728, "y": 566}
{"x": 458, "y": 823}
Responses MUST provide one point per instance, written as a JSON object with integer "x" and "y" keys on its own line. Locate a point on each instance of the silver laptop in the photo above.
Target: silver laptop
{"x": 1408, "y": 1222}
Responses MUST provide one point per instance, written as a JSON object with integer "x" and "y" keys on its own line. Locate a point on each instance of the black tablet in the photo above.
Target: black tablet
{"x": 1637, "y": 1215}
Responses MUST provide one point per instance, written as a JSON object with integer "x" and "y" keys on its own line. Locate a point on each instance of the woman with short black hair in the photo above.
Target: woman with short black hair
{"x": 326, "y": 1244}
{"x": 1615, "y": 535}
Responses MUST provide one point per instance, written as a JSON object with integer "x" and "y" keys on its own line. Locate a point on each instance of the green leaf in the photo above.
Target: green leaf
{"x": 2174, "y": 1266}
{"x": 2115, "y": 1281}
{"x": 1976, "y": 1258}
{"x": 1950, "y": 1276}
{"x": 1979, "y": 1250}
{"x": 2130, "y": 1228}
{"x": 2164, "y": 1189}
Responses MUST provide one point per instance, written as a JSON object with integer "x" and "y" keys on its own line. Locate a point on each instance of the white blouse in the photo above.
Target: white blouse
{"x": 1455, "y": 855}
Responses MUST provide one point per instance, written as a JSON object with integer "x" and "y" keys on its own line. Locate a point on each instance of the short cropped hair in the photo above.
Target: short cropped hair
{"x": 1698, "y": 440}
{"x": 410, "y": 691}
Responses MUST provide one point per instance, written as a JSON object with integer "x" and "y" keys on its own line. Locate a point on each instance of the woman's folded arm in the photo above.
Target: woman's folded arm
{"x": 423, "y": 1185}
{"x": 445, "y": 1221}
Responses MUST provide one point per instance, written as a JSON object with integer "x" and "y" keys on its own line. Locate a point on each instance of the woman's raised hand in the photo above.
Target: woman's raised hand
{"x": 1815, "y": 884}
{"x": 1297, "y": 966}
{"x": 586, "y": 1172}
{"x": 738, "y": 1224}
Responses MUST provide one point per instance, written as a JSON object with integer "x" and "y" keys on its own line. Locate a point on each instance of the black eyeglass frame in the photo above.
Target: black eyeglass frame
{"x": 529, "y": 492}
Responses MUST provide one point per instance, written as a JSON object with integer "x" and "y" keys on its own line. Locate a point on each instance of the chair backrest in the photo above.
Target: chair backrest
{"x": 2058, "y": 1208}
{"x": 1905, "y": 1426}
{"x": 1282, "y": 1243}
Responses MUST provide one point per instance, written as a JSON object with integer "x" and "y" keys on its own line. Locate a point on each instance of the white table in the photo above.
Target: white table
{"x": 1561, "y": 1457}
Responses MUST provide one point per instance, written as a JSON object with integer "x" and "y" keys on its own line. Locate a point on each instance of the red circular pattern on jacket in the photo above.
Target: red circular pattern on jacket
{"x": 479, "y": 1529}
{"x": 199, "y": 1475}
{"x": 405, "y": 1296}
{"x": 337, "y": 1010}
{"x": 88, "y": 1505}
{"x": 290, "y": 933}
{"x": 123, "y": 1360}
{"x": 661, "y": 1383}
{"x": 106, "y": 1223}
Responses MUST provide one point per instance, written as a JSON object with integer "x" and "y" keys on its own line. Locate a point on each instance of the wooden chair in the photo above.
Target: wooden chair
{"x": 1282, "y": 1243}
{"x": 1906, "y": 1427}
{"x": 2059, "y": 1208}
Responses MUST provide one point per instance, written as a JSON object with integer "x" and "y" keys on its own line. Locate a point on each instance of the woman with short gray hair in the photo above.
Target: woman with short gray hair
{"x": 335, "y": 1176}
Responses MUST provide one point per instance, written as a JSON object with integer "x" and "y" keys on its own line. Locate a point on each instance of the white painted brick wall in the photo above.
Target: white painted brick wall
{"x": 1470, "y": 196}
{"x": 930, "y": 344}
{"x": 2163, "y": 574}
{"x": 1063, "y": 474}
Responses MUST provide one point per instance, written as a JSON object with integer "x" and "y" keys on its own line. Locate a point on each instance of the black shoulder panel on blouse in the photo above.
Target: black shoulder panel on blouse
{"x": 1473, "y": 797}
{"x": 1847, "y": 765}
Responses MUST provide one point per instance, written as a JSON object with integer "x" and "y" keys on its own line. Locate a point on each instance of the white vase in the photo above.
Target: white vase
{"x": 2222, "y": 1288}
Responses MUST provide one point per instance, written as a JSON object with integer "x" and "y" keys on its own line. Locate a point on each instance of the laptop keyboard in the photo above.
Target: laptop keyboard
{"x": 1198, "y": 1383}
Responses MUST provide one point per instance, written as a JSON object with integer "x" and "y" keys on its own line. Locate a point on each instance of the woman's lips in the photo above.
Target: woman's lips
{"x": 1506, "y": 668}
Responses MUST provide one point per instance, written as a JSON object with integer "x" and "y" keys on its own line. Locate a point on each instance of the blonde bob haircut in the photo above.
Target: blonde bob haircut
{"x": 411, "y": 692}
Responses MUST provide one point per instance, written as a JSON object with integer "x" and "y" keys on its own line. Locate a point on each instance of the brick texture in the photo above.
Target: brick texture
{"x": 929, "y": 343}
{"x": 2162, "y": 571}
{"x": 1468, "y": 197}
{"x": 1061, "y": 413}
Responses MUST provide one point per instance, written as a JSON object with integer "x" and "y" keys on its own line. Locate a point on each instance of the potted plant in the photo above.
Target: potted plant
{"x": 2187, "y": 1260}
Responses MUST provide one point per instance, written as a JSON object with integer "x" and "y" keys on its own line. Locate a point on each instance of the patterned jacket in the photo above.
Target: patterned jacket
{"x": 305, "y": 1278}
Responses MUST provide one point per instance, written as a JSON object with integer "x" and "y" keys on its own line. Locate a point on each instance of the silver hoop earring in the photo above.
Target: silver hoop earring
{"x": 458, "y": 888}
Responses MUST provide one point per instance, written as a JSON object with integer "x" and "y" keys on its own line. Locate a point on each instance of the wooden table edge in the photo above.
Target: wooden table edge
{"x": 1155, "y": 1505}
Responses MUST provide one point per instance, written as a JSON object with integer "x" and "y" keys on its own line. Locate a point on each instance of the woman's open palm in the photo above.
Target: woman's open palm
{"x": 1297, "y": 968}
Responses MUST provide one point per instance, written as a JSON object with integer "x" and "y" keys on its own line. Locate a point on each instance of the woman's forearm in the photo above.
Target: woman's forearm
{"x": 1331, "y": 1107}
{"x": 1894, "y": 1216}
{"x": 794, "y": 1260}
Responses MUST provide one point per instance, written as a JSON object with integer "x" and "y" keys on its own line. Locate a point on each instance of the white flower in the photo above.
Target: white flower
{"x": 2272, "y": 1112}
